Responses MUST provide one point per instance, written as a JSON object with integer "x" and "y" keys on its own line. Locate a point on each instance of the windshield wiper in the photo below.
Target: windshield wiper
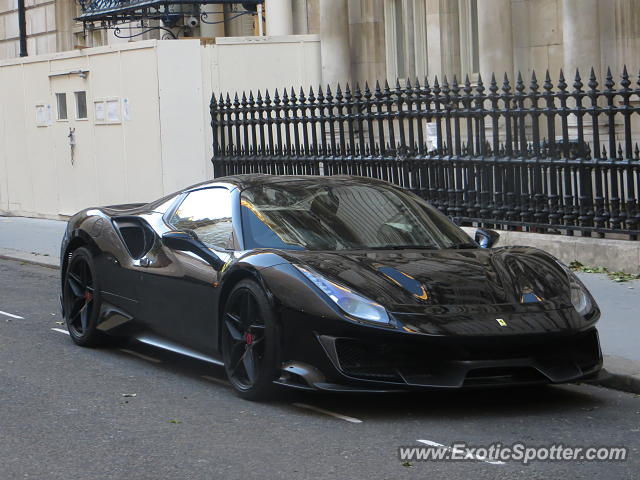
{"x": 402, "y": 247}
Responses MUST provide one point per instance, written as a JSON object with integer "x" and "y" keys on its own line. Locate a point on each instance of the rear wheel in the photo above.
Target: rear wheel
{"x": 81, "y": 299}
{"x": 249, "y": 341}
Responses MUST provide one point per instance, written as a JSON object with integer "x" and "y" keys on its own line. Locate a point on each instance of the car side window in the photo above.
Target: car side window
{"x": 208, "y": 213}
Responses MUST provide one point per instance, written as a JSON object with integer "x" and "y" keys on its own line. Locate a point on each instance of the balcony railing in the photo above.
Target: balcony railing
{"x": 113, "y": 12}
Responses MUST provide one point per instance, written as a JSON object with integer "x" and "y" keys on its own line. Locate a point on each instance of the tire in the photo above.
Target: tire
{"x": 81, "y": 297}
{"x": 249, "y": 342}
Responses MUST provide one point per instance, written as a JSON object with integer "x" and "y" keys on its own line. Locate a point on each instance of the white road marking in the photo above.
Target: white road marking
{"x": 60, "y": 330}
{"x": 461, "y": 450}
{"x": 327, "y": 412}
{"x": 11, "y": 315}
{"x": 140, "y": 355}
{"x": 221, "y": 381}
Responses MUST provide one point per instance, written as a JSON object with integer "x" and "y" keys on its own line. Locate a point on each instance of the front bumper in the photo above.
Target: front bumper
{"x": 342, "y": 361}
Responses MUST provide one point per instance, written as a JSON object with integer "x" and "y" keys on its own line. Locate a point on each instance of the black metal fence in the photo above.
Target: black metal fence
{"x": 538, "y": 158}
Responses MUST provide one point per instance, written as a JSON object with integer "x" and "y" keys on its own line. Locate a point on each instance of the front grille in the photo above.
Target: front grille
{"x": 431, "y": 360}
{"x": 365, "y": 361}
{"x": 581, "y": 347}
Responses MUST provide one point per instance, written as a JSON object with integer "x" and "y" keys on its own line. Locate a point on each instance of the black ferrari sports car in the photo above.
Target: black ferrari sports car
{"x": 325, "y": 283}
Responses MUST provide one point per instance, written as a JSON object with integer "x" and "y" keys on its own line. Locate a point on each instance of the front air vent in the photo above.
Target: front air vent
{"x": 136, "y": 234}
{"x": 366, "y": 361}
{"x": 503, "y": 375}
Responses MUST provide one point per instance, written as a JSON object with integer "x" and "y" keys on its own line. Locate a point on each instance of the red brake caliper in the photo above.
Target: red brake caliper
{"x": 248, "y": 338}
{"x": 88, "y": 296}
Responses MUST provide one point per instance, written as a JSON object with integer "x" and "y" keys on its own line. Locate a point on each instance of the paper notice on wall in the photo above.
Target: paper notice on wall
{"x": 41, "y": 115}
{"x": 126, "y": 114}
{"x": 113, "y": 111}
{"x": 49, "y": 115}
{"x": 432, "y": 136}
{"x": 99, "y": 112}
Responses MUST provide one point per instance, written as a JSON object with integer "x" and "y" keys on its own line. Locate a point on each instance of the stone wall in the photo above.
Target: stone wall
{"x": 615, "y": 255}
{"x": 366, "y": 29}
{"x": 41, "y": 27}
{"x": 514, "y": 35}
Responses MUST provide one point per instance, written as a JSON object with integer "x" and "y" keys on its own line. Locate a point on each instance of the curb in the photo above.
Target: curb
{"x": 616, "y": 255}
{"x": 619, "y": 381}
{"x": 619, "y": 373}
{"x": 30, "y": 258}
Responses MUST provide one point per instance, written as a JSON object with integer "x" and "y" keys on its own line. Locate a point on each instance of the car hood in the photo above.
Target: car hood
{"x": 413, "y": 281}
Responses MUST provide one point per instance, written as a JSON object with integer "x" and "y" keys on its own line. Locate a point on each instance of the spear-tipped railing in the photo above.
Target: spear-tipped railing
{"x": 544, "y": 158}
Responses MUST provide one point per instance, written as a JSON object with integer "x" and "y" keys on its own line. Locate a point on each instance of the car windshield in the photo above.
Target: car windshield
{"x": 343, "y": 215}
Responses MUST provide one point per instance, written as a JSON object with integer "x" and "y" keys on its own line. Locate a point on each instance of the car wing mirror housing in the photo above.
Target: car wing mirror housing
{"x": 486, "y": 238}
{"x": 187, "y": 241}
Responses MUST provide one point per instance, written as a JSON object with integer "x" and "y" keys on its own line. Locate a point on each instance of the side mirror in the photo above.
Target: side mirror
{"x": 486, "y": 238}
{"x": 186, "y": 241}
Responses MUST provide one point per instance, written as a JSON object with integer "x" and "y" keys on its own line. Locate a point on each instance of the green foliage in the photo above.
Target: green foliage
{"x": 618, "y": 277}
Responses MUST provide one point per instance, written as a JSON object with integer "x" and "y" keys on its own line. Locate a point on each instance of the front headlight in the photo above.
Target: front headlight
{"x": 580, "y": 297}
{"x": 349, "y": 302}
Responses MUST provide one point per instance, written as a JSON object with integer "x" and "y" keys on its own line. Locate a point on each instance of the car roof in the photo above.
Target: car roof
{"x": 242, "y": 182}
{"x": 245, "y": 181}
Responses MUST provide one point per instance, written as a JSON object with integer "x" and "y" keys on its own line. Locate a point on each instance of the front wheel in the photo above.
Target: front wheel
{"x": 249, "y": 341}
{"x": 81, "y": 299}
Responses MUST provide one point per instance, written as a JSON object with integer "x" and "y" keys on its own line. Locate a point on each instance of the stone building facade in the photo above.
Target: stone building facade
{"x": 40, "y": 23}
{"x": 370, "y": 40}
{"x": 401, "y": 38}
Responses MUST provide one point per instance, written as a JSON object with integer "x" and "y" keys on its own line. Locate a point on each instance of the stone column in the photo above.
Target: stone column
{"x": 300, "y": 21}
{"x": 581, "y": 49}
{"x": 334, "y": 42}
{"x": 450, "y": 39}
{"x": 581, "y": 38}
{"x": 627, "y": 41}
{"x": 64, "y": 10}
{"x": 495, "y": 39}
{"x": 279, "y": 17}
{"x": 212, "y": 30}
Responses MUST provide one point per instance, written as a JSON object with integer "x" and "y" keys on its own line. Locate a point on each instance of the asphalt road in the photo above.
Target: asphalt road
{"x": 63, "y": 415}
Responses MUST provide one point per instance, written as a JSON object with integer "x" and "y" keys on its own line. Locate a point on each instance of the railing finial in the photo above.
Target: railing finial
{"x": 533, "y": 85}
{"x": 577, "y": 82}
{"x": 593, "y": 81}
{"x": 436, "y": 140}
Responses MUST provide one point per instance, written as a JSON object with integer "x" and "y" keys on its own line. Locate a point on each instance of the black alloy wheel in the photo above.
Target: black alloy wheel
{"x": 81, "y": 299}
{"x": 248, "y": 341}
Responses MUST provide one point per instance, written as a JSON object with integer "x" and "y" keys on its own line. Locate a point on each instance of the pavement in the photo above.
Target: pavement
{"x": 130, "y": 411}
{"x": 37, "y": 241}
{"x": 33, "y": 240}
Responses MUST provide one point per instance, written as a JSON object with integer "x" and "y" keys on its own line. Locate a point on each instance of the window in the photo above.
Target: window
{"x": 338, "y": 216}
{"x": 207, "y": 212}
{"x": 86, "y": 38}
{"x": 81, "y": 105}
{"x": 61, "y": 101}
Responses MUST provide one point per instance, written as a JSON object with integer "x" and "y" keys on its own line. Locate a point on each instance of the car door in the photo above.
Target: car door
{"x": 180, "y": 297}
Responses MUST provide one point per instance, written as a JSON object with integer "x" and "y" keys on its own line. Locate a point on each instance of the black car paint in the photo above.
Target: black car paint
{"x": 178, "y": 296}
